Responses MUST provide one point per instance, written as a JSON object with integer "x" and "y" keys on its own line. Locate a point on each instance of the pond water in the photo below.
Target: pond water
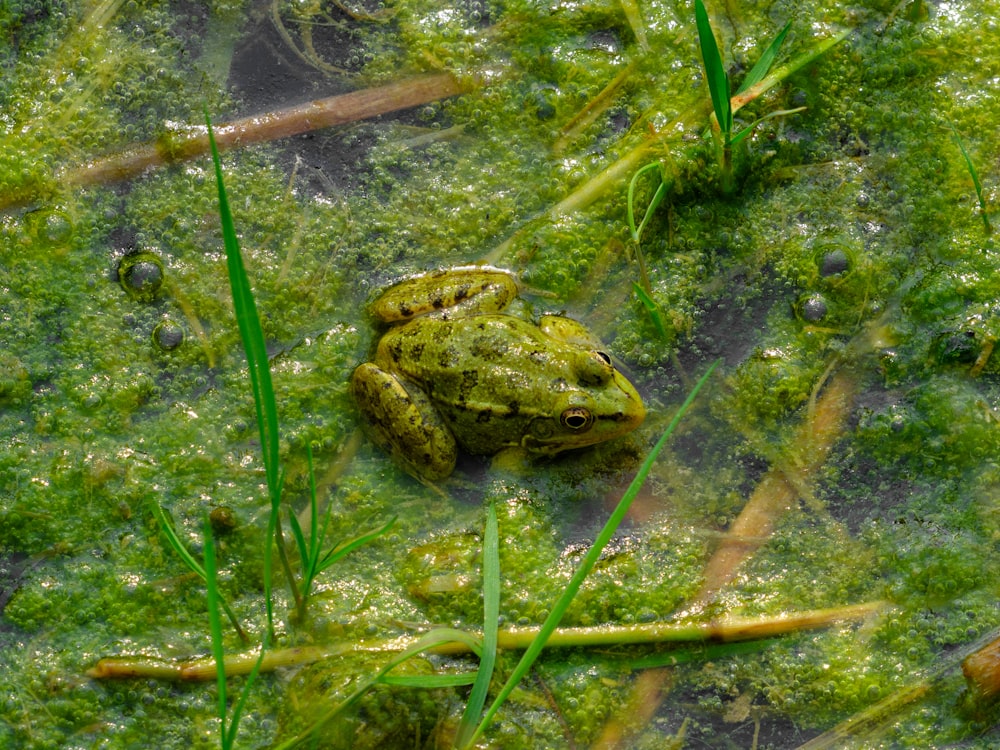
{"x": 837, "y": 473}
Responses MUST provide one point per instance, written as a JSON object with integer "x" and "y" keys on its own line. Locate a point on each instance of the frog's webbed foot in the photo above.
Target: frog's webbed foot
{"x": 400, "y": 418}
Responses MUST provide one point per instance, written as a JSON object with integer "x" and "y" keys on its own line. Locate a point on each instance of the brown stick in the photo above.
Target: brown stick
{"x": 302, "y": 118}
{"x": 982, "y": 672}
{"x": 601, "y": 636}
{"x": 777, "y": 493}
{"x": 320, "y": 113}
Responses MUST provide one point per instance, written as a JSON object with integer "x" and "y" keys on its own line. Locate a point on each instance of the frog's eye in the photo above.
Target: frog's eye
{"x": 576, "y": 419}
{"x": 604, "y": 356}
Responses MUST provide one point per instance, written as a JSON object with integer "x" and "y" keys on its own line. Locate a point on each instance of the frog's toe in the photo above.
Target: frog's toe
{"x": 402, "y": 421}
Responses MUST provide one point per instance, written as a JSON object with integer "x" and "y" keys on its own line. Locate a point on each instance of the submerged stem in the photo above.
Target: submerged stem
{"x": 777, "y": 493}
{"x": 134, "y": 160}
{"x": 730, "y": 629}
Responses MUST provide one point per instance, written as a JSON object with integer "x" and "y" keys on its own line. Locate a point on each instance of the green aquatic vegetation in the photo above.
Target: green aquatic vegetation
{"x": 260, "y": 379}
{"x": 312, "y": 559}
{"x": 642, "y": 289}
{"x": 987, "y": 227}
{"x": 720, "y": 88}
{"x": 851, "y": 207}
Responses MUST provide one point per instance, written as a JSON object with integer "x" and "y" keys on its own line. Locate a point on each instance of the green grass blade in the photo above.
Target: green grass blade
{"x": 175, "y": 543}
{"x": 234, "y": 722}
{"x": 769, "y": 116}
{"x": 662, "y": 186}
{"x": 636, "y": 231}
{"x": 250, "y": 330}
{"x": 429, "y": 681}
{"x": 715, "y": 72}
{"x": 314, "y": 536}
{"x": 651, "y": 308}
{"x": 654, "y": 203}
{"x": 195, "y": 567}
{"x": 227, "y": 734}
{"x": 259, "y": 368}
{"x": 758, "y": 71}
{"x": 305, "y": 551}
{"x": 309, "y": 551}
{"x": 987, "y": 227}
{"x": 359, "y": 541}
{"x": 491, "y": 623}
{"x": 588, "y": 563}
{"x": 215, "y": 628}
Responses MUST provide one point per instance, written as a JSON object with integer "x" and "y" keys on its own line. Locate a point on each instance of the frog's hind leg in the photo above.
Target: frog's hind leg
{"x": 401, "y": 420}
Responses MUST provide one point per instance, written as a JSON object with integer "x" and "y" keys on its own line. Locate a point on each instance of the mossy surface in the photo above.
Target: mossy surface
{"x": 853, "y": 242}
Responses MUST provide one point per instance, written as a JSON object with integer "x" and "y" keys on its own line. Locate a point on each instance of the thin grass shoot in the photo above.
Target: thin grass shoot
{"x": 643, "y": 289}
{"x": 227, "y": 727}
{"x": 491, "y": 624}
{"x": 259, "y": 367}
{"x": 193, "y": 565}
{"x": 987, "y": 227}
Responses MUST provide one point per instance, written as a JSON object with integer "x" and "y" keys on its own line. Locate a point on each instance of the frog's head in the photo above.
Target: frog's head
{"x": 585, "y": 413}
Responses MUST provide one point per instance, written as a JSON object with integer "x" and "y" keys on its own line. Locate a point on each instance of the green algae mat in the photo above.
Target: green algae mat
{"x": 813, "y": 559}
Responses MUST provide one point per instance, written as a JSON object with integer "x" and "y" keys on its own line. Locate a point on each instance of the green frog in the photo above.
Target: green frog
{"x": 457, "y": 368}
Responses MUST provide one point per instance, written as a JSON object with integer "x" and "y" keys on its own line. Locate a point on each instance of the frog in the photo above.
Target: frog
{"x": 459, "y": 366}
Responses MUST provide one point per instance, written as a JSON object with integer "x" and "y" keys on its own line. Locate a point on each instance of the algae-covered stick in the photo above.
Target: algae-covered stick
{"x": 134, "y": 160}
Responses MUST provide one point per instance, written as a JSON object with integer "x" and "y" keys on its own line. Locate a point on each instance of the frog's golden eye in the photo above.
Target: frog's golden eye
{"x": 605, "y": 356}
{"x": 576, "y": 419}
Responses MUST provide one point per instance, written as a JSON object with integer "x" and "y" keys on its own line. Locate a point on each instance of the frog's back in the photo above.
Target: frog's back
{"x": 484, "y": 364}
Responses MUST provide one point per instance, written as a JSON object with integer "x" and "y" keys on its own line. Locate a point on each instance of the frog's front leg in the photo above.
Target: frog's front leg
{"x": 401, "y": 419}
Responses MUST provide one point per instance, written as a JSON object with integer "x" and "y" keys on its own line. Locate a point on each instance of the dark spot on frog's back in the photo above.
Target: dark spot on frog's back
{"x": 489, "y": 348}
{"x": 462, "y": 292}
{"x": 484, "y": 415}
{"x": 470, "y": 378}
{"x": 439, "y": 334}
{"x": 448, "y": 357}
